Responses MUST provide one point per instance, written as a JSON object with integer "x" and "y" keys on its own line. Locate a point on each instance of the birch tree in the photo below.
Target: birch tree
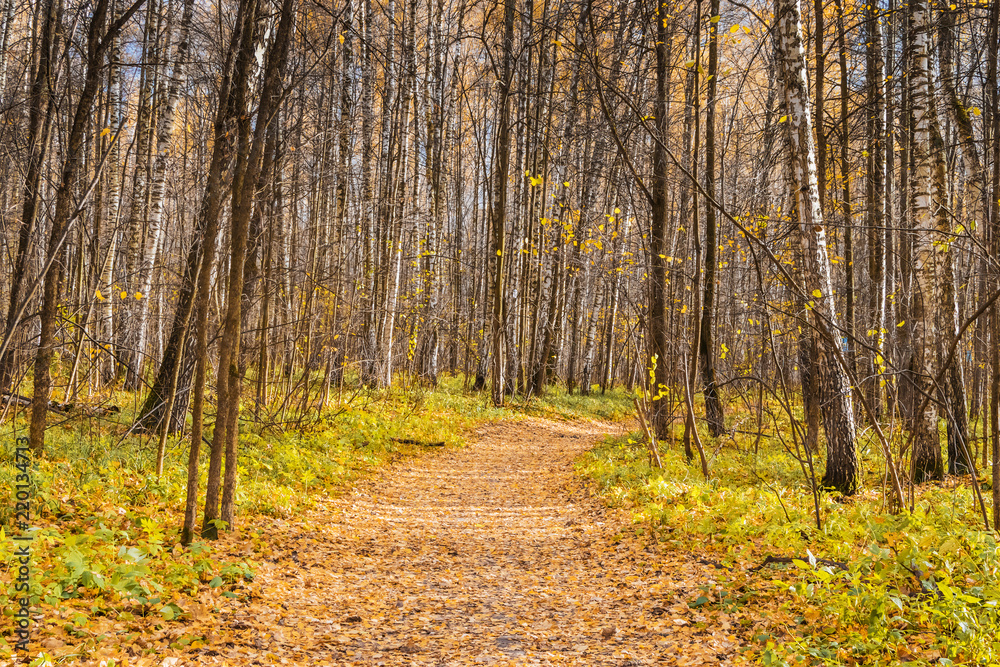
{"x": 927, "y": 250}
{"x": 832, "y": 382}
{"x": 499, "y": 203}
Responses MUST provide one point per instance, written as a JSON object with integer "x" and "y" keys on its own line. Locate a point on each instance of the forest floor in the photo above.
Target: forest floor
{"x": 495, "y": 553}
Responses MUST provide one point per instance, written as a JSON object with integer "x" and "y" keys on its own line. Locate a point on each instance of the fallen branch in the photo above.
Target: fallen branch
{"x": 788, "y": 561}
{"x": 926, "y": 586}
{"x": 717, "y": 565}
{"x": 410, "y": 441}
{"x": 61, "y": 408}
{"x": 920, "y": 578}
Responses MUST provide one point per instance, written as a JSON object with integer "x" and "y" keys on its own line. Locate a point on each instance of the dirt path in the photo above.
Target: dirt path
{"x": 491, "y": 554}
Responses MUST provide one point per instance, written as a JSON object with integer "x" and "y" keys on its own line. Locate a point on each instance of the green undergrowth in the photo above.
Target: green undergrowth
{"x": 106, "y": 528}
{"x": 612, "y": 406}
{"x": 867, "y": 587}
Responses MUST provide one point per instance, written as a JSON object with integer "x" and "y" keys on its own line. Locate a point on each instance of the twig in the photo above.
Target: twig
{"x": 784, "y": 560}
{"x": 654, "y": 449}
{"x": 410, "y": 441}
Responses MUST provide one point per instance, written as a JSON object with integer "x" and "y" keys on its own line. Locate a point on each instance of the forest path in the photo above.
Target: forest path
{"x": 491, "y": 554}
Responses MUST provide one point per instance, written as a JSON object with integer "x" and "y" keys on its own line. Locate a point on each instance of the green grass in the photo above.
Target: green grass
{"x": 920, "y": 587}
{"x": 613, "y": 406}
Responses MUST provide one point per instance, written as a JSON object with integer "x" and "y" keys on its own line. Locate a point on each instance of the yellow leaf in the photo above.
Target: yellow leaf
{"x": 106, "y": 131}
{"x": 715, "y": 19}
{"x": 499, "y": 253}
{"x": 818, "y": 294}
{"x": 684, "y": 309}
{"x": 734, "y": 28}
{"x": 340, "y": 38}
{"x": 901, "y": 323}
{"x": 138, "y": 295}
{"x": 124, "y": 295}
{"x": 783, "y": 119}
{"x": 689, "y": 63}
{"x": 100, "y": 297}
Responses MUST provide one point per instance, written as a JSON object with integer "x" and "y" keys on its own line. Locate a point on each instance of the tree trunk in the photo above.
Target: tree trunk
{"x": 236, "y": 109}
{"x": 959, "y": 444}
{"x": 658, "y": 322}
{"x": 40, "y": 111}
{"x": 714, "y": 414}
{"x": 834, "y": 388}
{"x": 6, "y": 27}
{"x": 140, "y": 251}
{"x": 875, "y": 167}
{"x": 368, "y": 342}
{"x": 993, "y": 81}
{"x": 242, "y": 207}
{"x": 927, "y": 462}
{"x": 499, "y": 204}
{"x": 104, "y": 329}
{"x": 139, "y": 310}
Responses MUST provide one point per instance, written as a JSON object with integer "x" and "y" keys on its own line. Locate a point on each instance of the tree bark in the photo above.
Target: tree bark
{"x": 993, "y": 81}
{"x": 658, "y": 317}
{"x": 875, "y": 167}
{"x": 959, "y": 444}
{"x": 499, "y": 204}
{"x": 40, "y": 110}
{"x": 142, "y": 247}
{"x": 714, "y": 414}
{"x": 212, "y": 202}
{"x": 927, "y": 461}
{"x": 834, "y": 388}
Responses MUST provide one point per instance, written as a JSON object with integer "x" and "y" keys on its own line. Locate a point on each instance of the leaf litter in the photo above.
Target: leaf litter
{"x": 491, "y": 554}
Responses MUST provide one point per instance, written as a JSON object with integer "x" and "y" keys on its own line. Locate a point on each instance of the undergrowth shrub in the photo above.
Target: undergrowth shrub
{"x": 868, "y": 587}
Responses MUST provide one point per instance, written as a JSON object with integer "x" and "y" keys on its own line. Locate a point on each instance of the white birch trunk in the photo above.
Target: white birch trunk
{"x": 154, "y": 228}
{"x": 105, "y": 309}
{"x": 927, "y": 462}
{"x": 6, "y": 23}
{"x": 832, "y": 381}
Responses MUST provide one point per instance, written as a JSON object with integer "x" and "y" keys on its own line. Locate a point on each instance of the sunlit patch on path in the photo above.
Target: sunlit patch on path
{"x": 492, "y": 554}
